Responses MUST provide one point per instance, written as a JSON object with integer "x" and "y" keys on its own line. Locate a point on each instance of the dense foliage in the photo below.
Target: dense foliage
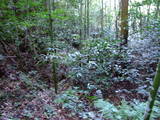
{"x": 70, "y": 59}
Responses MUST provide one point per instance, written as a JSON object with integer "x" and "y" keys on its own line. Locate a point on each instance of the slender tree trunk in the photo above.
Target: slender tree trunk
{"x": 109, "y": 17}
{"x": 18, "y": 54}
{"x": 28, "y": 36}
{"x": 102, "y": 20}
{"x": 136, "y": 25}
{"x": 158, "y": 10}
{"x": 153, "y": 94}
{"x": 106, "y": 17}
{"x": 85, "y": 19}
{"x": 50, "y": 8}
{"x": 81, "y": 20}
{"x": 88, "y": 25}
{"x": 124, "y": 21}
{"x": 148, "y": 17}
{"x": 133, "y": 19}
{"x": 133, "y": 24}
{"x": 54, "y": 75}
{"x": 116, "y": 20}
{"x": 140, "y": 22}
{"x": 148, "y": 12}
{"x": 53, "y": 62}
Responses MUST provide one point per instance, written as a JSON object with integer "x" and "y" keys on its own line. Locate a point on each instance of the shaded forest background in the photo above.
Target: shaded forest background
{"x": 79, "y": 59}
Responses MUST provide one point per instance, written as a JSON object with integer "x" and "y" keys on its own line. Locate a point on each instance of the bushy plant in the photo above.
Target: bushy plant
{"x": 99, "y": 62}
{"x": 70, "y": 100}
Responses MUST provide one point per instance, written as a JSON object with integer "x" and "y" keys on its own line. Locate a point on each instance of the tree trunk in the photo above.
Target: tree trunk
{"x": 153, "y": 94}
{"x": 148, "y": 16}
{"x": 116, "y": 20}
{"x": 140, "y": 22}
{"x": 18, "y": 54}
{"x": 50, "y": 8}
{"x": 157, "y": 11}
{"x": 81, "y": 20}
{"x": 85, "y": 19}
{"x": 102, "y": 20}
{"x": 88, "y": 26}
{"x": 124, "y": 21}
{"x": 54, "y": 75}
{"x": 54, "y": 63}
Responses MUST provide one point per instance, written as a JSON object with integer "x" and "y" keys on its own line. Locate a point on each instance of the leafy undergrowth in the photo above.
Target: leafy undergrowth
{"x": 126, "y": 111}
{"x": 124, "y": 90}
{"x": 27, "y": 98}
{"x": 112, "y": 84}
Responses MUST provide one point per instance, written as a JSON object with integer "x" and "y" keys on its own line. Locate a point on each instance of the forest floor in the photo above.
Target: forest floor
{"x": 26, "y": 97}
{"x": 143, "y": 55}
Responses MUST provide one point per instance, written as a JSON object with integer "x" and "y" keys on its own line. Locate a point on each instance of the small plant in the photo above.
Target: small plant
{"x": 49, "y": 111}
{"x": 70, "y": 100}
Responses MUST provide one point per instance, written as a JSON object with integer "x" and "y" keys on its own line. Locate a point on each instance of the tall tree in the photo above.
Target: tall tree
{"x": 81, "y": 20}
{"x": 148, "y": 13}
{"x": 140, "y": 19}
{"x": 85, "y": 19}
{"x": 157, "y": 9}
{"x": 50, "y": 9}
{"x": 53, "y": 61}
{"x": 102, "y": 20}
{"x": 124, "y": 20}
{"x": 116, "y": 19}
{"x": 88, "y": 10}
